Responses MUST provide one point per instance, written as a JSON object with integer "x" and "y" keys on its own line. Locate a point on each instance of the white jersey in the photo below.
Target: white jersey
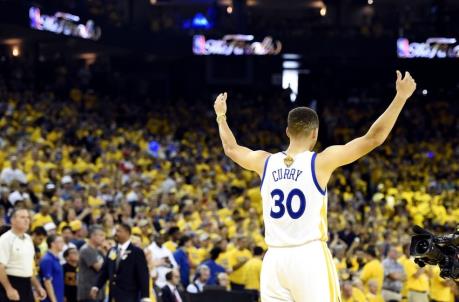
{"x": 294, "y": 205}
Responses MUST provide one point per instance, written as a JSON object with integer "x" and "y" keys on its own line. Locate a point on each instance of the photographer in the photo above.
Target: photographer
{"x": 417, "y": 282}
{"x": 441, "y": 290}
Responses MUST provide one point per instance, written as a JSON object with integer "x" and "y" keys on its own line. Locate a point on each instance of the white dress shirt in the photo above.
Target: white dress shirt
{"x": 174, "y": 291}
{"x": 123, "y": 247}
{"x": 191, "y": 288}
{"x": 159, "y": 253}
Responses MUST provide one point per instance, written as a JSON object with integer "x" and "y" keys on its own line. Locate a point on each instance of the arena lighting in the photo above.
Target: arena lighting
{"x": 200, "y": 20}
{"x": 64, "y": 23}
{"x": 15, "y": 51}
{"x": 290, "y": 65}
{"x": 425, "y": 92}
{"x": 229, "y": 9}
{"x": 323, "y": 11}
{"x": 291, "y": 56}
{"x": 89, "y": 57}
{"x": 370, "y": 2}
{"x": 433, "y": 48}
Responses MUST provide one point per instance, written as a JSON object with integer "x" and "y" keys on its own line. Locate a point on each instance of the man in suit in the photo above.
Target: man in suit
{"x": 169, "y": 292}
{"x": 126, "y": 270}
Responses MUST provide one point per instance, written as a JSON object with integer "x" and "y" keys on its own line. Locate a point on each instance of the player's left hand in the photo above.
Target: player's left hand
{"x": 405, "y": 85}
{"x": 220, "y": 104}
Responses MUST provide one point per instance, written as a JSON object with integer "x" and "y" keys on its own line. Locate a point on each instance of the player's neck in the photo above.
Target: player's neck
{"x": 297, "y": 147}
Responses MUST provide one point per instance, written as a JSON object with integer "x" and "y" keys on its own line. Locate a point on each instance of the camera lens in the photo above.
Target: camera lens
{"x": 422, "y": 247}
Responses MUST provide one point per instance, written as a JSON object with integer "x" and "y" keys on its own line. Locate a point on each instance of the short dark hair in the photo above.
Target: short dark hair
{"x": 67, "y": 227}
{"x": 173, "y": 230}
{"x": 215, "y": 252}
{"x": 93, "y": 229}
{"x": 169, "y": 275}
{"x": 39, "y": 231}
{"x": 184, "y": 239}
{"x": 51, "y": 239}
{"x": 257, "y": 251}
{"x": 126, "y": 227}
{"x": 67, "y": 251}
{"x": 302, "y": 120}
{"x": 16, "y": 210}
{"x": 371, "y": 250}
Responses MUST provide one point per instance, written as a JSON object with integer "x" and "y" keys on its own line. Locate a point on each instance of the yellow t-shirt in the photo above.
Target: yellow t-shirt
{"x": 439, "y": 291}
{"x": 374, "y": 298}
{"x": 224, "y": 259}
{"x": 238, "y": 275}
{"x": 170, "y": 245}
{"x": 197, "y": 255}
{"x": 419, "y": 284}
{"x": 373, "y": 270}
{"x": 357, "y": 296}
{"x": 252, "y": 274}
{"x": 40, "y": 220}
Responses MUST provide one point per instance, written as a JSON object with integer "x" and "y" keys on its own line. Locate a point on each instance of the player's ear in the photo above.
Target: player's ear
{"x": 315, "y": 133}
{"x": 286, "y": 132}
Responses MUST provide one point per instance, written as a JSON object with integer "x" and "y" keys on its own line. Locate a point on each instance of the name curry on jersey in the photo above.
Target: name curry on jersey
{"x": 286, "y": 173}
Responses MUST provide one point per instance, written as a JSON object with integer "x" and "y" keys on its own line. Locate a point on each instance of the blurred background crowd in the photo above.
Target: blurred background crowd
{"x": 82, "y": 159}
{"x": 97, "y": 134}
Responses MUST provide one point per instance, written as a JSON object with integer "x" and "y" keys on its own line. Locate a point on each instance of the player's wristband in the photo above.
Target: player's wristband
{"x": 221, "y": 117}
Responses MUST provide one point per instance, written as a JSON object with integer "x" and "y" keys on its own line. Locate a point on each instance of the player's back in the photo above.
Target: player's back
{"x": 294, "y": 205}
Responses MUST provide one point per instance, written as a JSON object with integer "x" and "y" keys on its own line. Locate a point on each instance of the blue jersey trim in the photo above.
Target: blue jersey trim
{"x": 313, "y": 171}
{"x": 264, "y": 172}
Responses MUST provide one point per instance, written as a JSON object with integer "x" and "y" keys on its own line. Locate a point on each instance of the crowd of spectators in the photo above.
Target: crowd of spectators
{"x": 82, "y": 163}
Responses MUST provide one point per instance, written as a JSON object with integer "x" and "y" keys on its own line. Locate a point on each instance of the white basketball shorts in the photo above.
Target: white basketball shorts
{"x": 303, "y": 273}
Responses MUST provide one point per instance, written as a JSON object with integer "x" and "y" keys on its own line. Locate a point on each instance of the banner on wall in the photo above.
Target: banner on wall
{"x": 65, "y": 24}
{"x": 432, "y": 48}
{"x": 238, "y": 45}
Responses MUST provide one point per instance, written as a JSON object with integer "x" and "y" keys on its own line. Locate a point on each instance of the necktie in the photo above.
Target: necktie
{"x": 118, "y": 257}
{"x": 176, "y": 296}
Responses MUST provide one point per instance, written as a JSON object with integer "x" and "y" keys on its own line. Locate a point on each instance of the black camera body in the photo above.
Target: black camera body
{"x": 442, "y": 250}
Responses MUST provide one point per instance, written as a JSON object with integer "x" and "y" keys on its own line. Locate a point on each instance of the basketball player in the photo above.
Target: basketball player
{"x": 298, "y": 265}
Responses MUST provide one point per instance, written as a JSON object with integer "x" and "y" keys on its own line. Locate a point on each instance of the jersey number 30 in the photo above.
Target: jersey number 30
{"x": 278, "y": 197}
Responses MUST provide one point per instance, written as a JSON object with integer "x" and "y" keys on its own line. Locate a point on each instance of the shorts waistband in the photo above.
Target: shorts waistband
{"x": 295, "y": 245}
{"x": 19, "y": 278}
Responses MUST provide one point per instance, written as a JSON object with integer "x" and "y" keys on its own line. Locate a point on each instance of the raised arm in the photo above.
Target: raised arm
{"x": 340, "y": 155}
{"x": 243, "y": 156}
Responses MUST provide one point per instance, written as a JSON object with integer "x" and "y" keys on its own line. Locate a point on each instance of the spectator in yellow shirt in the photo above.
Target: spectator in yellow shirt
{"x": 417, "y": 282}
{"x": 238, "y": 258}
{"x": 351, "y": 293}
{"x": 173, "y": 236}
{"x": 373, "y": 295}
{"x": 38, "y": 238}
{"x": 373, "y": 269}
{"x": 253, "y": 271}
{"x": 441, "y": 290}
{"x": 42, "y": 217}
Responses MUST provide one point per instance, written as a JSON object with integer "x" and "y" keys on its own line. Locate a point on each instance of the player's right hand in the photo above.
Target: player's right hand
{"x": 220, "y": 104}
{"x": 12, "y": 294}
{"x": 406, "y": 85}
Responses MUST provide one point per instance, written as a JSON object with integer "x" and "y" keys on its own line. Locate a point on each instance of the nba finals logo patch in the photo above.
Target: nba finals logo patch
{"x": 288, "y": 161}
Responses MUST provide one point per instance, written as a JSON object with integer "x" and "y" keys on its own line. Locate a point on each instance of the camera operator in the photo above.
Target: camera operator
{"x": 441, "y": 290}
{"x": 417, "y": 282}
